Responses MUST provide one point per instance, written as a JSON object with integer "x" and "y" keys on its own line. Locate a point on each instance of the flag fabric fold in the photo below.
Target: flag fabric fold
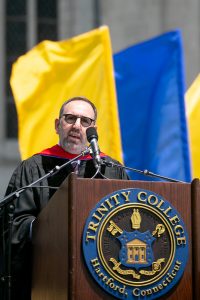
{"x": 52, "y": 72}
{"x": 192, "y": 99}
{"x": 150, "y": 89}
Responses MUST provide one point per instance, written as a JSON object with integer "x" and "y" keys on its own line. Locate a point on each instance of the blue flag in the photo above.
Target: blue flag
{"x": 150, "y": 89}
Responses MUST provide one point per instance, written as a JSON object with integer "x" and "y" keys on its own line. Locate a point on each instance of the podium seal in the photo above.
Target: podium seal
{"x": 135, "y": 244}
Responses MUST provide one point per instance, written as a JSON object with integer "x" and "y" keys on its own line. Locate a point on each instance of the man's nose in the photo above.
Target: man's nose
{"x": 77, "y": 124}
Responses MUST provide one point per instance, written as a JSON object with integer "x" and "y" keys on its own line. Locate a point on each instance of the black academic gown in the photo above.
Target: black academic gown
{"x": 32, "y": 201}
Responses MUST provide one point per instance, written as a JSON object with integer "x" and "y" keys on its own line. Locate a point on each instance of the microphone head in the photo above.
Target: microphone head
{"x": 91, "y": 133}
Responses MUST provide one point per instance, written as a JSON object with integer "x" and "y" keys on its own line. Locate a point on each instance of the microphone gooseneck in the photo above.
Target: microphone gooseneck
{"x": 143, "y": 172}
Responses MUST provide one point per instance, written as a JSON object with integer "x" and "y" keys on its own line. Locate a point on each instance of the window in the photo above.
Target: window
{"x": 18, "y": 24}
{"x": 15, "y": 46}
{"x": 47, "y": 20}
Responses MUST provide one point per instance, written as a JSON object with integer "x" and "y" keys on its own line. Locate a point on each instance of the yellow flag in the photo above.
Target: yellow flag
{"x": 193, "y": 117}
{"x": 52, "y": 72}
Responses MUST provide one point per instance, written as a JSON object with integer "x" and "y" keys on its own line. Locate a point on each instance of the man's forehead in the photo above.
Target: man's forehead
{"x": 78, "y": 105}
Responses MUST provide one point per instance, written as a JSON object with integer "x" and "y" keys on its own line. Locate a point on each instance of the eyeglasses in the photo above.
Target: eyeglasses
{"x": 71, "y": 119}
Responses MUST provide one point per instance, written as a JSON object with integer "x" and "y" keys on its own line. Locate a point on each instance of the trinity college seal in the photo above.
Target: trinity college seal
{"x": 135, "y": 244}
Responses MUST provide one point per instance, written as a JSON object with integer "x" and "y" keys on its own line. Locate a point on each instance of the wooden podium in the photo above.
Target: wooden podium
{"x": 59, "y": 271}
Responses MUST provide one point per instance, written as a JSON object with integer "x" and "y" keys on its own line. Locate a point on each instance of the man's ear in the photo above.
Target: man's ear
{"x": 57, "y": 125}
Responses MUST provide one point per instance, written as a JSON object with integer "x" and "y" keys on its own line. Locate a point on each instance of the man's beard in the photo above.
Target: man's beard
{"x": 73, "y": 148}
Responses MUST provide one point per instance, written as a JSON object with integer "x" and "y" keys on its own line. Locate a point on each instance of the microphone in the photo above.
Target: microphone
{"x": 92, "y": 138}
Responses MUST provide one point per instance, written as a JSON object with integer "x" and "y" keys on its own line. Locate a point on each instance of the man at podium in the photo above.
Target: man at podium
{"x": 75, "y": 117}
